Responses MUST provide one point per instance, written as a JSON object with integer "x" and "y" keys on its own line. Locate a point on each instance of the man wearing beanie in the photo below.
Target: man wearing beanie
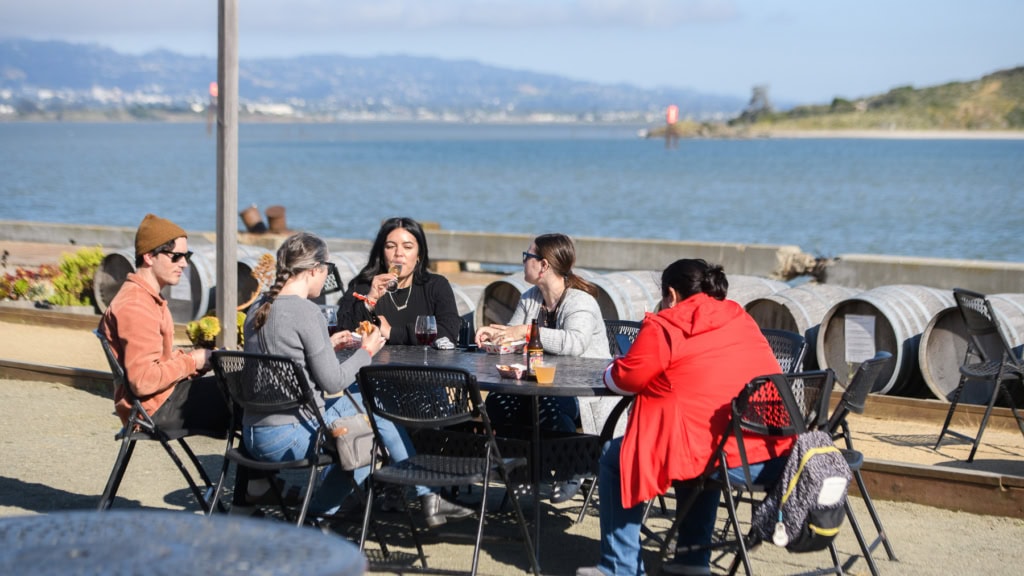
{"x": 140, "y": 330}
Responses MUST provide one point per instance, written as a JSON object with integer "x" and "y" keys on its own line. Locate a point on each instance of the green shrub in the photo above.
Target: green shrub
{"x": 74, "y": 285}
{"x": 1015, "y": 118}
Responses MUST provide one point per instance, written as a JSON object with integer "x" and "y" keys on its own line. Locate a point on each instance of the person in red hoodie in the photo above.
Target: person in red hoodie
{"x": 687, "y": 364}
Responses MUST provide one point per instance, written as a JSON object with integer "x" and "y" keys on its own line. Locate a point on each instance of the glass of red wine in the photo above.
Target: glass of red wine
{"x": 331, "y": 315}
{"x": 426, "y": 333}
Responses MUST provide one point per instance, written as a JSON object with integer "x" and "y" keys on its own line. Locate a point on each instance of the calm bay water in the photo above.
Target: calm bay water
{"x": 938, "y": 198}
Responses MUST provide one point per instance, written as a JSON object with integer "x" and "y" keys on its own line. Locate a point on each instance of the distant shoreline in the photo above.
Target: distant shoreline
{"x": 652, "y": 132}
{"x": 896, "y": 134}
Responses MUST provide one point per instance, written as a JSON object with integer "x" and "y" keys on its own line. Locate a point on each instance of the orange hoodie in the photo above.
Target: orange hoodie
{"x": 140, "y": 330}
{"x": 685, "y": 367}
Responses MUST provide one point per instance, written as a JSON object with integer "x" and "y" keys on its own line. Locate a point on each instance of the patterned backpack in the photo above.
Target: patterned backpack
{"x": 806, "y": 507}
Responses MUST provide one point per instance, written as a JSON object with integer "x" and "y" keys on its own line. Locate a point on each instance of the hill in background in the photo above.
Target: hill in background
{"x": 994, "y": 102}
{"x": 40, "y": 78}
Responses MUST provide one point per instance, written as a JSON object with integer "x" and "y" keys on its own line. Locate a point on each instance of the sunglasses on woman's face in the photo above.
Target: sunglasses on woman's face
{"x": 177, "y": 256}
{"x": 528, "y": 255}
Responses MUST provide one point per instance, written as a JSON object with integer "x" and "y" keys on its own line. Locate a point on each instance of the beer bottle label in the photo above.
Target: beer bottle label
{"x": 533, "y": 358}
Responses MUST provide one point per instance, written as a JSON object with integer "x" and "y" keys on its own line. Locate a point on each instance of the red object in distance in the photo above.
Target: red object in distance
{"x": 672, "y": 114}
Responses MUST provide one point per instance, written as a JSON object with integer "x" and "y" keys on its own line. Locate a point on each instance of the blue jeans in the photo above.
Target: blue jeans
{"x": 295, "y": 441}
{"x": 620, "y": 527}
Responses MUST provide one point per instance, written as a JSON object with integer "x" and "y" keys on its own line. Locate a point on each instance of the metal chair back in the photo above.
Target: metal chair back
{"x": 789, "y": 348}
{"x": 986, "y": 340}
{"x": 856, "y": 394}
{"x": 621, "y": 334}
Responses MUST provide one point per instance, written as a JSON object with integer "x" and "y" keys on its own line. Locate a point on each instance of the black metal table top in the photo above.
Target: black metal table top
{"x": 573, "y": 376}
{"x": 166, "y": 542}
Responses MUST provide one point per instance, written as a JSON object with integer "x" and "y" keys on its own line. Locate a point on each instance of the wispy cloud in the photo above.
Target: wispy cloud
{"x": 64, "y": 17}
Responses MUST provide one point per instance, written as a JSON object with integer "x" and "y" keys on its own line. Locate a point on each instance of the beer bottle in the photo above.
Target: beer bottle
{"x": 534, "y": 350}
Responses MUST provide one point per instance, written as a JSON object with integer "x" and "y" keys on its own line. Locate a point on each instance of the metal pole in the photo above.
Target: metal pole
{"x": 227, "y": 172}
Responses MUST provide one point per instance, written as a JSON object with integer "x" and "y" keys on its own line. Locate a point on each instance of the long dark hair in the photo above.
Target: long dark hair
{"x": 298, "y": 253}
{"x": 560, "y": 252}
{"x": 378, "y": 265}
{"x": 689, "y": 277}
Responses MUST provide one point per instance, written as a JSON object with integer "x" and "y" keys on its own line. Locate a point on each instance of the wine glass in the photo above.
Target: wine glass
{"x": 426, "y": 333}
{"x": 331, "y": 315}
{"x": 396, "y": 271}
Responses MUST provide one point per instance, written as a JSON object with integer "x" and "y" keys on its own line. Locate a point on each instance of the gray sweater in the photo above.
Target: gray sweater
{"x": 295, "y": 328}
{"x": 580, "y": 331}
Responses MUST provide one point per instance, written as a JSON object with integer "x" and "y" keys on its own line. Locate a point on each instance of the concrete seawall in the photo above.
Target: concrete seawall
{"x": 473, "y": 248}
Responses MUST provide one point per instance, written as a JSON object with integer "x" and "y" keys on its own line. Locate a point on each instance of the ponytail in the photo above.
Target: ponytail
{"x": 693, "y": 276}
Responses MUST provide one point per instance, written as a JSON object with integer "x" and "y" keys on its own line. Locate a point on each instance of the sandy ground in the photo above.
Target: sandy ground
{"x": 56, "y": 450}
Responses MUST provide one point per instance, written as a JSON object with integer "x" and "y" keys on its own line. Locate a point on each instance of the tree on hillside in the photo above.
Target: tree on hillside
{"x": 760, "y": 105}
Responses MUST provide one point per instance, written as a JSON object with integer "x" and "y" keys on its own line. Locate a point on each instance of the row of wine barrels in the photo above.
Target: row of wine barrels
{"x": 799, "y": 309}
{"x": 195, "y": 294}
{"x": 944, "y": 347}
{"x": 633, "y": 293}
{"x": 467, "y": 297}
{"x": 889, "y": 318}
{"x": 744, "y": 289}
{"x": 620, "y": 295}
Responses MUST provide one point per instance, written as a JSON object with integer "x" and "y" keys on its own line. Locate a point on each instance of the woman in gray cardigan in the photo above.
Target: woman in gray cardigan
{"x": 570, "y": 325}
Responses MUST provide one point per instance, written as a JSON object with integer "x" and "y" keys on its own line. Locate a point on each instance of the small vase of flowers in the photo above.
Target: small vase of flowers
{"x": 203, "y": 332}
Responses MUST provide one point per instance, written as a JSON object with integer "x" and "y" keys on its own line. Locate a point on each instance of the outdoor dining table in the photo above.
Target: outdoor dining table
{"x": 168, "y": 542}
{"x": 574, "y": 377}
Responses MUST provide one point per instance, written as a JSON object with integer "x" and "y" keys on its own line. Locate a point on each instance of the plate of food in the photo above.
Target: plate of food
{"x": 514, "y": 347}
{"x": 511, "y": 370}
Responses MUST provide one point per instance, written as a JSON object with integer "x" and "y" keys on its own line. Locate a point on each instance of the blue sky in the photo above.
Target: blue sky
{"x": 807, "y": 51}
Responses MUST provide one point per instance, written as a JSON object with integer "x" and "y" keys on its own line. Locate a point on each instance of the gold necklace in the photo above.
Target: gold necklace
{"x": 407, "y": 297}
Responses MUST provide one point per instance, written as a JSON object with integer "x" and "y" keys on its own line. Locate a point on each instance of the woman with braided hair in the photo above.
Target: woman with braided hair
{"x": 286, "y": 322}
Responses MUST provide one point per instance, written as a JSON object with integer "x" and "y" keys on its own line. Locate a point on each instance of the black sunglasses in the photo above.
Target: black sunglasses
{"x": 177, "y": 256}
{"x": 528, "y": 255}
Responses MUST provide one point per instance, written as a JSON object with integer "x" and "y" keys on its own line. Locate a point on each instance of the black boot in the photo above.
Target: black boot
{"x": 437, "y": 510}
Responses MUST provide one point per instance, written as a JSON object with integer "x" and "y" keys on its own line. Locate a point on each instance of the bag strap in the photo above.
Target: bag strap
{"x": 353, "y": 401}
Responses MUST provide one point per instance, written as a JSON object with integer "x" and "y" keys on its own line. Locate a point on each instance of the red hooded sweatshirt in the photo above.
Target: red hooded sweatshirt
{"x": 687, "y": 364}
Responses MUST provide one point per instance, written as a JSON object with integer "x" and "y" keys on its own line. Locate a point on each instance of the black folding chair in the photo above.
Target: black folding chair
{"x": 621, "y": 334}
{"x": 268, "y": 383}
{"x": 141, "y": 427}
{"x": 989, "y": 359}
{"x": 789, "y": 348}
{"x": 853, "y": 400}
{"x": 775, "y": 406}
{"x": 333, "y": 285}
{"x": 431, "y": 397}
